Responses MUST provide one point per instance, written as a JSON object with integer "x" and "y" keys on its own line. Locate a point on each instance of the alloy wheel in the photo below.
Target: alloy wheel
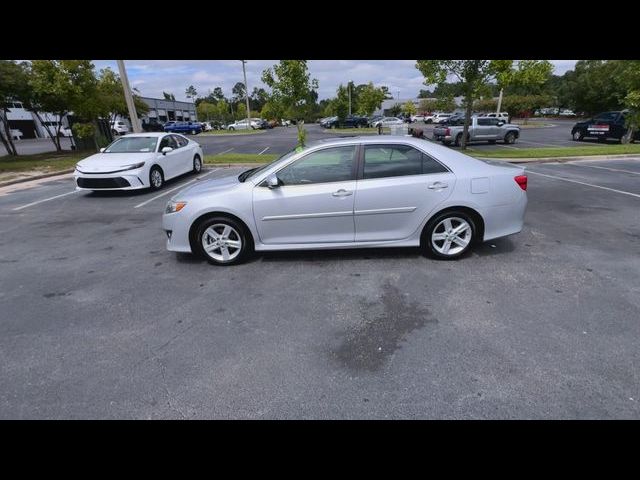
{"x": 221, "y": 242}
{"x": 451, "y": 236}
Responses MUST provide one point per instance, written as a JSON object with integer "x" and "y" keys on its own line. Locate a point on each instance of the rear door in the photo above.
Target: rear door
{"x": 398, "y": 186}
{"x": 184, "y": 159}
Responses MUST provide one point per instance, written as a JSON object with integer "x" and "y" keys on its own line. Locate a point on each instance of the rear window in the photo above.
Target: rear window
{"x": 382, "y": 161}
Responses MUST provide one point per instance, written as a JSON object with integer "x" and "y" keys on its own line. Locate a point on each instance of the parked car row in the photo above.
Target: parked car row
{"x": 606, "y": 125}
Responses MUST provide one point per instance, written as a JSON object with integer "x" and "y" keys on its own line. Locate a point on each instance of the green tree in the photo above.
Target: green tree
{"x": 13, "y": 86}
{"x": 238, "y": 92}
{"x": 395, "y": 110}
{"x": 292, "y": 87}
{"x": 191, "y": 92}
{"x": 272, "y": 111}
{"x": 168, "y": 96}
{"x": 409, "y": 108}
{"x": 207, "y": 111}
{"x": 258, "y": 98}
{"x": 110, "y": 101}
{"x": 474, "y": 77}
{"x": 341, "y": 103}
{"x": 59, "y": 87}
{"x": 241, "y": 111}
{"x": 370, "y": 99}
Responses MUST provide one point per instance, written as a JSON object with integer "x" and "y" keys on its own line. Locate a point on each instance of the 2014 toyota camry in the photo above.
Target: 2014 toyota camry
{"x": 351, "y": 193}
{"x": 144, "y": 160}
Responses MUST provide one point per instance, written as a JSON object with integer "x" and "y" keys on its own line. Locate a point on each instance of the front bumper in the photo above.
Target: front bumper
{"x": 176, "y": 227}
{"x": 127, "y": 180}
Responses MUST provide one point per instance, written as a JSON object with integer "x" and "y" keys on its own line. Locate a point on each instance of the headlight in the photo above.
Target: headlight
{"x": 132, "y": 167}
{"x": 173, "y": 207}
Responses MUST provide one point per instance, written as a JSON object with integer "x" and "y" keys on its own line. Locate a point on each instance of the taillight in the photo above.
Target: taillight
{"x": 447, "y": 131}
{"x": 522, "y": 181}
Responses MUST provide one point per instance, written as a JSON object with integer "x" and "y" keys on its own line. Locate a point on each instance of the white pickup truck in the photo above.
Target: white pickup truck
{"x": 481, "y": 129}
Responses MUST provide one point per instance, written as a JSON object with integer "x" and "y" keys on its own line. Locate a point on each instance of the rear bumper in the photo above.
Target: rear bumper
{"x": 504, "y": 220}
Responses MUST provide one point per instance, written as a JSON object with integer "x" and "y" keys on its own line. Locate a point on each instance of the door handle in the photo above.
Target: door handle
{"x": 437, "y": 186}
{"x": 341, "y": 193}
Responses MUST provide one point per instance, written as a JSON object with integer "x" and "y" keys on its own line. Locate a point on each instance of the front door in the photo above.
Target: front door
{"x": 400, "y": 186}
{"x": 170, "y": 162}
{"x": 314, "y": 201}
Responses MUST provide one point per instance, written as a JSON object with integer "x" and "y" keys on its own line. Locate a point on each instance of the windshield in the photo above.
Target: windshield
{"x": 253, "y": 171}
{"x": 133, "y": 145}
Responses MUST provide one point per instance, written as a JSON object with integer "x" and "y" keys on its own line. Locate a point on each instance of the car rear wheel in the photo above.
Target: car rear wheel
{"x": 577, "y": 136}
{"x": 197, "y": 164}
{"x": 156, "y": 179}
{"x": 458, "y": 141}
{"x": 231, "y": 129}
{"x": 449, "y": 235}
{"x": 222, "y": 241}
{"x": 510, "y": 138}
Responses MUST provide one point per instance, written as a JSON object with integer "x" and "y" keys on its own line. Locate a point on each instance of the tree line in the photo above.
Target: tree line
{"x": 60, "y": 87}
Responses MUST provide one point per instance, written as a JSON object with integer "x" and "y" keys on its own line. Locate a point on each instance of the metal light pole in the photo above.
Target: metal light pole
{"x": 246, "y": 93}
{"x": 499, "y": 102}
{"x": 349, "y": 85}
{"x": 133, "y": 115}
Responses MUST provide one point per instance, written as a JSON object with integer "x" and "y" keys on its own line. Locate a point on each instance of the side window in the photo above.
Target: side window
{"x": 168, "y": 141}
{"x": 382, "y": 161}
{"x": 323, "y": 166}
{"x": 180, "y": 141}
{"x": 485, "y": 121}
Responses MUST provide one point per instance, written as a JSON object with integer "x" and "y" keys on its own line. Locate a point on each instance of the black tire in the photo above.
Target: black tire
{"x": 197, "y": 164}
{"x": 577, "y": 136}
{"x": 510, "y": 138}
{"x": 244, "y": 237}
{"x": 193, "y": 132}
{"x": 446, "y": 143}
{"x": 458, "y": 140}
{"x": 427, "y": 244}
{"x": 153, "y": 180}
{"x": 231, "y": 129}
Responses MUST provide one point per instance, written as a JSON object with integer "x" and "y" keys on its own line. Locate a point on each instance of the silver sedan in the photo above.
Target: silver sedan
{"x": 391, "y": 191}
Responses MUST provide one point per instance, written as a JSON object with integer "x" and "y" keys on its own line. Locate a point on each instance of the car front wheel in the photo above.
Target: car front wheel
{"x": 577, "y": 136}
{"x": 449, "y": 235}
{"x": 222, "y": 241}
{"x": 510, "y": 138}
{"x": 197, "y": 164}
{"x": 156, "y": 179}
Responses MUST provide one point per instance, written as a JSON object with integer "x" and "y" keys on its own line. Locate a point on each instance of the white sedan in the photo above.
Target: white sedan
{"x": 386, "y": 121}
{"x": 243, "y": 125}
{"x": 143, "y": 160}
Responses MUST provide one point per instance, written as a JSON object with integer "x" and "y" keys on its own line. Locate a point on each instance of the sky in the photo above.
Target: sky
{"x": 152, "y": 77}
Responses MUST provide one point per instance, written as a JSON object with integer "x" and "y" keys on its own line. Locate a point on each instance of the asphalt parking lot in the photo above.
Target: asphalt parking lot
{"x": 281, "y": 140}
{"x": 98, "y": 320}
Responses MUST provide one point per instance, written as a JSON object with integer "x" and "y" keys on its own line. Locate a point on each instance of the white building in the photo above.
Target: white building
{"x": 21, "y": 119}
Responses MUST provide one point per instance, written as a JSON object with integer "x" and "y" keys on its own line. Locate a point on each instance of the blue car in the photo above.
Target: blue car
{"x": 183, "y": 127}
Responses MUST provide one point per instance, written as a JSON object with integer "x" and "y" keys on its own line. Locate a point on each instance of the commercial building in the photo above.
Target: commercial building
{"x": 162, "y": 111}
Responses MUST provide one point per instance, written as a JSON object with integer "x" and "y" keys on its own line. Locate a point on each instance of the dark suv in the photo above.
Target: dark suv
{"x": 603, "y": 126}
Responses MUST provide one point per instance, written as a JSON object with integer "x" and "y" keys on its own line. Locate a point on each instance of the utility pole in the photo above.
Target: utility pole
{"x": 499, "y": 102}
{"x": 349, "y": 85}
{"x": 246, "y": 93}
{"x": 133, "y": 115}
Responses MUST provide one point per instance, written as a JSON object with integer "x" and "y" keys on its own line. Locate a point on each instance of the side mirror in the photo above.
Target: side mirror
{"x": 102, "y": 149}
{"x": 500, "y": 124}
{"x": 272, "y": 181}
{"x": 166, "y": 150}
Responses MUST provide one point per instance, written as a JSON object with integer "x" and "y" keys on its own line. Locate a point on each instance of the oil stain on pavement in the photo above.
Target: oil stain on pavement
{"x": 369, "y": 345}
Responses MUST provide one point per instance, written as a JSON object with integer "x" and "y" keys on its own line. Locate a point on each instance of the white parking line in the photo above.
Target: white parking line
{"x": 603, "y": 168}
{"x": 44, "y": 200}
{"x": 584, "y": 183}
{"x": 263, "y": 151}
{"x": 506, "y": 146}
{"x": 225, "y": 151}
{"x": 174, "y": 189}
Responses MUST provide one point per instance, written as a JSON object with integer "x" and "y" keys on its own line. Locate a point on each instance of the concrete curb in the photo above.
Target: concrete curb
{"x": 563, "y": 159}
{"x": 209, "y": 166}
{"x": 36, "y": 177}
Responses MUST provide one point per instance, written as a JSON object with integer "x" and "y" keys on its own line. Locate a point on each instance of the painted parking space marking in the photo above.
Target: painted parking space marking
{"x": 263, "y": 151}
{"x": 584, "y": 183}
{"x": 603, "y": 168}
{"x": 44, "y": 200}
{"x": 175, "y": 188}
{"x": 225, "y": 151}
{"x": 528, "y": 142}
